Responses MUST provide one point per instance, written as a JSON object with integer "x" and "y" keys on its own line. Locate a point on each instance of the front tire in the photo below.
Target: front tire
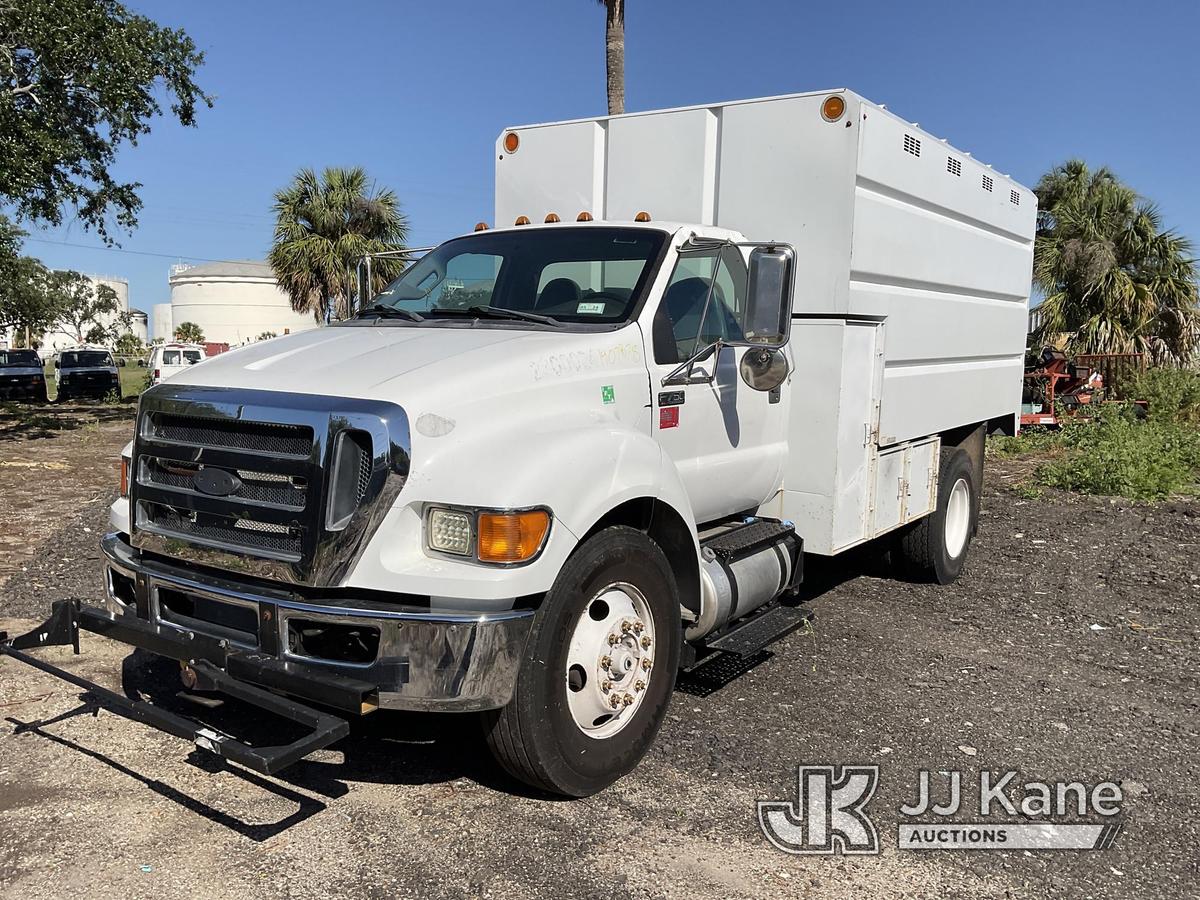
{"x": 935, "y": 548}
{"x": 599, "y": 669}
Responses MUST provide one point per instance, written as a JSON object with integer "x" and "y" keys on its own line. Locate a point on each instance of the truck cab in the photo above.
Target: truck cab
{"x": 556, "y": 460}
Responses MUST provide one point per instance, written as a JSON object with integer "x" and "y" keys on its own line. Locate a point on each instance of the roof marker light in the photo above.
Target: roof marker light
{"x": 643, "y": 216}
{"x": 522, "y": 220}
{"x": 552, "y": 218}
{"x": 511, "y": 142}
{"x": 584, "y": 216}
{"x": 481, "y": 226}
{"x": 832, "y": 108}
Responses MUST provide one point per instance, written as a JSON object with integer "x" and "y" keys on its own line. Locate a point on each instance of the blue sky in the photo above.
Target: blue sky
{"x": 417, "y": 93}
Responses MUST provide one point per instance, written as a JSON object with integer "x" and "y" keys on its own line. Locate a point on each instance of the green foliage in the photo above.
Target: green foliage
{"x": 189, "y": 332}
{"x": 1172, "y": 395}
{"x": 128, "y": 344}
{"x": 27, "y": 304}
{"x": 1029, "y": 440}
{"x": 266, "y": 336}
{"x": 1114, "y": 280}
{"x": 1119, "y": 454}
{"x": 323, "y": 227}
{"x": 82, "y": 306}
{"x": 78, "y": 79}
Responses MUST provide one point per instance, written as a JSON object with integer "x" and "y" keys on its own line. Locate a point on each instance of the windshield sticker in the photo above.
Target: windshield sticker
{"x": 607, "y": 394}
{"x": 590, "y": 309}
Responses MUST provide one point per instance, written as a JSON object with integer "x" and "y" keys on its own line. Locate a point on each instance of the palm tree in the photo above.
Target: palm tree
{"x": 614, "y": 54}
{"x": 189, "y": 333}
{"x": 1113, "y": 279}
{"x": 323, "y": 227}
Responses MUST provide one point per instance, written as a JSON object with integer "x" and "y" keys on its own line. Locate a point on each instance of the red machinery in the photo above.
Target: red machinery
{"x": 1055, "y": 383}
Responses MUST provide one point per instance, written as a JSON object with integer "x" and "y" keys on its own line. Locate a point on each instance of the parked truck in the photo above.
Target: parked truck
{"x": 560, "y": 458}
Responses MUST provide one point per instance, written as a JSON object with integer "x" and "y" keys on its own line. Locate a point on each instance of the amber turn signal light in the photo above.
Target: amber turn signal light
{"x": 832, "y": 108}
{"x": 511, "y": 142}
{"x": 511, "y": 537}
{"x": 123, "y": 476}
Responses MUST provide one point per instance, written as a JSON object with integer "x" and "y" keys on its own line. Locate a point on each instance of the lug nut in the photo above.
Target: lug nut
{"x": 645, "y": 642}
{"x": 637, "y": 627}
{"x": 639, "y": 686}
{"x": 646, "y": 663}
{"x": 625, "y": 627}
{"x": 614, "y": 701}
{"x": 612, "y": 640}
{"x": 606, "y": 686}
{"x": 626, "y": 699}
{"x": 605, "y": 662}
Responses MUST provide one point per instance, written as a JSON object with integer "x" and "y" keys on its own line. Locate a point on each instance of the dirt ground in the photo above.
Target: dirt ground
{"x": 1069, "y": 649}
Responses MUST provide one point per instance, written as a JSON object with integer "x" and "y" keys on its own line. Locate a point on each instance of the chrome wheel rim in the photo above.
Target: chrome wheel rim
{"x": 958, "y": 518}
{"x": 610, "y": 660}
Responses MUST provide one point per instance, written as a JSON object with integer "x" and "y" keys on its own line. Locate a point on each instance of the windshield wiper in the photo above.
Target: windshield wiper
{"x": 499, "y": 312}
{"x": 392, "y": 312}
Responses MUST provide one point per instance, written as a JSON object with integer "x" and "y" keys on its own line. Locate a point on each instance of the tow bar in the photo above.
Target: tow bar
{"x": 245, "y": 675}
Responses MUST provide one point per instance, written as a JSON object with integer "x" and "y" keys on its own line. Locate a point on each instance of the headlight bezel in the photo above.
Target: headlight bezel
{"x": 473, "y": 514}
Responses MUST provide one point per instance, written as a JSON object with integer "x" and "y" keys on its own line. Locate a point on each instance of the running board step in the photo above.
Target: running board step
{"x": 751, "y": 636}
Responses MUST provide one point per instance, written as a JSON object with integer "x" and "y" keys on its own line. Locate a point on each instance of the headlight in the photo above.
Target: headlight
{"x": 501, "y": 537}
{"x": 450, "y": 531}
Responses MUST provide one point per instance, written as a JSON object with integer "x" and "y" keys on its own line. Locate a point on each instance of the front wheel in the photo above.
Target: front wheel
{"x": 598, "y": 671}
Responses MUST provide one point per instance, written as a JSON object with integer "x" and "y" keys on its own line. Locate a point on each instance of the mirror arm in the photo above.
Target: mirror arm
{"x": 688, "y": 364}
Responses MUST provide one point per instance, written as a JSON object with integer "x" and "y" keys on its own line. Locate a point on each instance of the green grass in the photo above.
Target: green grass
{"x": 1121, "y": 451}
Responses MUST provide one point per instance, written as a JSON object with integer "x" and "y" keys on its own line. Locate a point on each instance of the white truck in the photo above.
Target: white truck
{"x": 561, "y": 458}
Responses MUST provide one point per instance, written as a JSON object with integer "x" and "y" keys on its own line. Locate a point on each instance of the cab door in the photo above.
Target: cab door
{"x": 727, "y": 440}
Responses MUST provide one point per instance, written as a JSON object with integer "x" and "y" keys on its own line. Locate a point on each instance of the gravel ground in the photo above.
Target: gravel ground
{"x": 1003, "y": 670}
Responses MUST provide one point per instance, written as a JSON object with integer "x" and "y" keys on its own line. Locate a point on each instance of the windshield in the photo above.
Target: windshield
{"x": 592, "y": 275}
{"x": 22, "y": 358}
{"x": 83, "y": 359}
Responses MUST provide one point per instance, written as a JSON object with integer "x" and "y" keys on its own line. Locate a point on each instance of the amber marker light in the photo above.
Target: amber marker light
{"x": 123, "y": 476}
{"x": 832, "y": 108}
{"x": 552, "y": 218}
{"x": 511, "y": 537}
{"x": 643, "y": 216}
{"x": 522, "y": 220}
{"x": 511, "y": 142}
{"x": 481, "y": 226}
{"x": 584, "y": 216}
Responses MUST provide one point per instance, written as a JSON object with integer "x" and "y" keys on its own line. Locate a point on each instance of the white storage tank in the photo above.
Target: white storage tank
{"x": 163, "y": 327}
{"x": 232, "y": 302}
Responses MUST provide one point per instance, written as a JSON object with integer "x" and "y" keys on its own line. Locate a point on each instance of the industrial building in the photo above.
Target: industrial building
{"x": 232, "y": 302}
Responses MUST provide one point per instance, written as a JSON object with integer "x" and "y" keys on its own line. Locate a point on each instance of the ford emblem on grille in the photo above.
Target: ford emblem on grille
{"x": 216, "y": 482}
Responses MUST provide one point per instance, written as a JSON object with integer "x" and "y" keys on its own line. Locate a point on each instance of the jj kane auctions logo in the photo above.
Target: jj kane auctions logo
{"x": 830, "y": 813}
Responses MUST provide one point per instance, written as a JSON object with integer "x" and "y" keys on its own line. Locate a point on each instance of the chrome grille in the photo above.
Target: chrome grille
{"x": 259, "y": 437}
{"x": 241, "y": 533}
{"x": 237, "y": 479}
{"x": 259, "y": 487}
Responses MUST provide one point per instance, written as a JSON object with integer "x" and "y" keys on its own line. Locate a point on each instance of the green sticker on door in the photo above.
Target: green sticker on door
{"x": 607, "y": 394}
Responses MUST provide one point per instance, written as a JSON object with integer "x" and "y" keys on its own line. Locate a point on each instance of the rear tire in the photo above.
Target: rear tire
{"x": 560, "y": 732}
{"x": 935, "y": 548}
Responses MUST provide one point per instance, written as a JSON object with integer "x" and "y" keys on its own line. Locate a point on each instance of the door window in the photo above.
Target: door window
{"x": 691, "y": 316}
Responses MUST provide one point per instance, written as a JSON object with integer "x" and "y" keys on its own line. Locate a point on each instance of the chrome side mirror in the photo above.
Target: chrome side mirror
{"x": 768, "y": 317}
{"x": 763, "y": 368}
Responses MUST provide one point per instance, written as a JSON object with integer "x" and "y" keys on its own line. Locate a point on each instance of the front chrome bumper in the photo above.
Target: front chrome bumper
{"x": 426, "y": 660}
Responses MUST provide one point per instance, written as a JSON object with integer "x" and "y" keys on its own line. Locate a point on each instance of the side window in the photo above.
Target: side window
{"x": 682, "y": 324}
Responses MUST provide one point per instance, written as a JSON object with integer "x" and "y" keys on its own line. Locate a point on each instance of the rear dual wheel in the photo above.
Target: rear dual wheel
{"x": 599, "y": 669}
{"x": 935, "y": 548}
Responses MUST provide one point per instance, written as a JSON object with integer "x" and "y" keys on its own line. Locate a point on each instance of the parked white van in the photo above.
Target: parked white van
{"x": 170, "y": 359}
